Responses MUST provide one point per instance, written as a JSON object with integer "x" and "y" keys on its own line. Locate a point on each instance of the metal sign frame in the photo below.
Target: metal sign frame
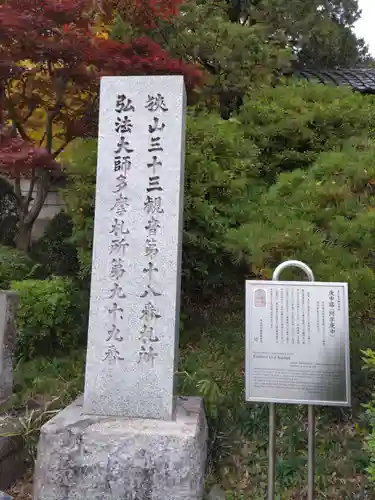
{"x": 346, "y": 399}
{"x": 310, "y": 404}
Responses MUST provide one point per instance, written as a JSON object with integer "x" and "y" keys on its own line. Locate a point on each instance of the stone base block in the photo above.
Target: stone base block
{"x": 12, "y": 455}
{"x": 111, "y": 458}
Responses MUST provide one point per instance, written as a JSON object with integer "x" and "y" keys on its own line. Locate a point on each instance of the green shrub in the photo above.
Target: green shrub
{"x": 221, "y": 175}
{"x": 79, "y": 199}
{"x": 54, "y": 250}
{"x": 8, "y": 213}
{"x": 52, "y": 316}
{"x": 369, "y": 359}
{"x": 15, "y": 265}
{"x": 221, "y": 168}
{"x": 292, "y": 124}
{"x": 324, "y": 217}
{"x": 229, "y": 166}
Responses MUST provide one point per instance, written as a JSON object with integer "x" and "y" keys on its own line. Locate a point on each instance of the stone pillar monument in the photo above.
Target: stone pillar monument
{"x": 130, "y": 437}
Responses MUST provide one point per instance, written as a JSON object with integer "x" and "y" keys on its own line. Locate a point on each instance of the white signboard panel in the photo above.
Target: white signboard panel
{"x": 297, "y": 343}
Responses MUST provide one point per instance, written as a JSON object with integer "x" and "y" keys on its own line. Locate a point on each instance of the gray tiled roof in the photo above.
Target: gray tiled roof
{"x": 360, "y": 79}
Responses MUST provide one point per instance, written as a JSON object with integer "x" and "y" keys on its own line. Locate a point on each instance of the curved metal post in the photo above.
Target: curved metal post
{"x": 293, "y": 263}
{"x": 272, "y": 451}
{"x": 272, "y": 410}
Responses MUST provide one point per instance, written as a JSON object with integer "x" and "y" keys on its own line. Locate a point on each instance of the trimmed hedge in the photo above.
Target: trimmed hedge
{"x": 15, "y": 265}
{"x": 52, "y": 317}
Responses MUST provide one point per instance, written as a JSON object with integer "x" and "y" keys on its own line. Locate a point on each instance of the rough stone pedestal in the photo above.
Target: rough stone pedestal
{"x": 8, "y": 332}
{"x": 113, "y": 458}
{"x": 12, "y": 453}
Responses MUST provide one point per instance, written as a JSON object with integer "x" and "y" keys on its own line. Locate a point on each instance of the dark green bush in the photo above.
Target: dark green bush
{"x": 221, "y": 168}
{"x": 54, "y": 250}
{"x": 79, "y": 199}
{"x": 52, "y": 316}
{"x": 229, "y": 165}
{"x": 221, "y": 174}
{"x": 8, "y": 213}
{"x": 15, "y": 265}
{"x": 325, "y": 217}
{"x": 292, "y": 124}
{"x": 369, "y": 359}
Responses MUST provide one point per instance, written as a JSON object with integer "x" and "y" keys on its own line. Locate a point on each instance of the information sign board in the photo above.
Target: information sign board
{"x": 297, "y": 343}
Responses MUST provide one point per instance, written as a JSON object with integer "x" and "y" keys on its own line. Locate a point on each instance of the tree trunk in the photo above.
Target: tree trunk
{"x": 23, "y": 238}
{"x": 30, "y": 208}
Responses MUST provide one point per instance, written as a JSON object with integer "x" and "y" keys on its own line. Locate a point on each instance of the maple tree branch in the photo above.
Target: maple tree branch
{"x": 29, "y": 114}
{"x": 49, "y": 130}
{"x": 2, "y": 94}
{"x": 14, "y": 118}
{"x": 42, "y": 139}
{"x": 31, "y": 187}
{"x": 51, "y": 115}
{"x": 17, "y": 189}
{"x": 40, "y": 198}
{"x": 50, "y": 69}
{"x": 24, "y": 84}
{"x": 61, "y": 149}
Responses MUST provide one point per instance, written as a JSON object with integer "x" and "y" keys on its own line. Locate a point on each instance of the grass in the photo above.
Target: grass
{"x": 42, "y": 379}
{"x": 212, "y": 366}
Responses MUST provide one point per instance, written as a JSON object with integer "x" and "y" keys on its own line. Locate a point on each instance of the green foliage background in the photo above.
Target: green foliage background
{"x": 289, "y": 174}
{"x": 220, "y": 161}
{"x": 55, "y": 251}
{"x": 15, "y": 265}
{"x": 288, "y": 177}
{"x": 259, "y": 188}
{"x": 51, "y": 318}
{"x": 292, "y": 123}
{"x": 369, "y": 365}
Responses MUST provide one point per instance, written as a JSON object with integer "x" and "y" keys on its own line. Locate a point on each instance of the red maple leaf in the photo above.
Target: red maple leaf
{"x": 65, "y": 62}
{"x": 56, "y": 36}
{"x": 19, "y": 157}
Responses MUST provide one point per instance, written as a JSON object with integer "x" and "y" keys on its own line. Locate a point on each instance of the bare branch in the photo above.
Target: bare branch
{"x": 13, "y": 116}
{"x": 61, "y": 149}
{"x": 31, "y": 187}
{"x": 17, "y": 189}
{"x": 32, "y": 109}
{"x": 49, "y": 130}
{"x": 43, "y": 184}
{"x": 42, "y": 139}
{"x": 51, "y": 115}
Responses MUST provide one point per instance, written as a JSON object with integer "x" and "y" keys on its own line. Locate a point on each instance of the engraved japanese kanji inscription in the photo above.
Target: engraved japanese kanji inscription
{"x": 134, "y": 308}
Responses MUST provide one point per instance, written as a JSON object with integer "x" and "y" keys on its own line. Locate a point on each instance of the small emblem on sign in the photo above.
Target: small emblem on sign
{"x": 260, "y": 298}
